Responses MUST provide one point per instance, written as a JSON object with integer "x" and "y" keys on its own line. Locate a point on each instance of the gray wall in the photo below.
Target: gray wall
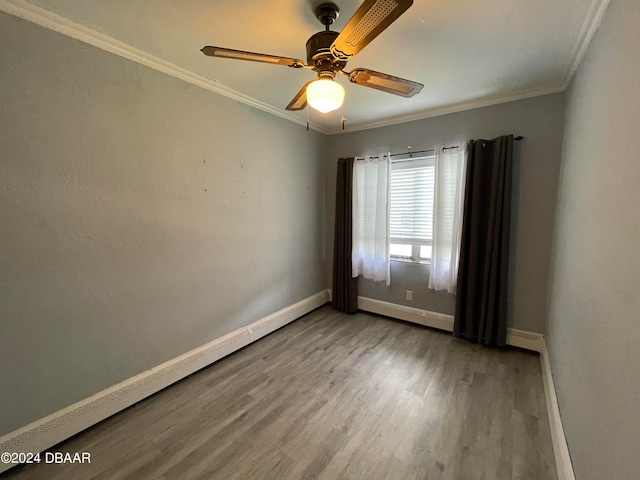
{"x": 594, "y": 303}
{"x": 536, "y": 167}
{"x": 140, "y": 217}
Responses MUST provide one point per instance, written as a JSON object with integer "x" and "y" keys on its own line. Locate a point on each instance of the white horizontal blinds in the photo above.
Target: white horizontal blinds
{"x": 412, "y": 185}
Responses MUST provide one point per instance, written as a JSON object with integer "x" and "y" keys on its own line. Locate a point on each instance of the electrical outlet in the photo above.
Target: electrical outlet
{"x": 409, "y": 295}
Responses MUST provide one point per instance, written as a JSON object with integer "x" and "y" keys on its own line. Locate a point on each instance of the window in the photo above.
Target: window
{"x": 411, "y": 190}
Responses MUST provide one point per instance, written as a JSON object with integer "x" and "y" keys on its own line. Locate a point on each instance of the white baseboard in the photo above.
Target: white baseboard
{"x": 515, "y": 338}
{"x": 526, "y": 340}
{"x": 427, "y": 318}
{"x": 559, "y": 441}
{"x": 51, "y": 430}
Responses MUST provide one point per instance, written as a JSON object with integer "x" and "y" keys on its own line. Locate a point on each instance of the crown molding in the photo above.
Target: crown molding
{"x": 64, "y": 26}
{"x": 589, "y": 27}
{"x": 458, "y": 107}
{"x": 59, "y": 24}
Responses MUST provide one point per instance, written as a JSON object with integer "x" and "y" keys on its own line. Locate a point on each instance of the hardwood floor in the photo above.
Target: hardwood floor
{"x": 332, "y": 396}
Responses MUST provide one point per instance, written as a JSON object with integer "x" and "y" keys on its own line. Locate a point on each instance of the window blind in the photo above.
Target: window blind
{"x": 411, "y": 193}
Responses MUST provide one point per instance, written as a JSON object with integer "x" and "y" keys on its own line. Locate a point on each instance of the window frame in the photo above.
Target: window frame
{"x": 407, "y": 163}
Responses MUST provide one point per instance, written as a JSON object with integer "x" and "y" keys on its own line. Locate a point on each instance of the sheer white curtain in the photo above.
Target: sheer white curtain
{"x": 370, "y": 251}
{"x": 447, "y": 216}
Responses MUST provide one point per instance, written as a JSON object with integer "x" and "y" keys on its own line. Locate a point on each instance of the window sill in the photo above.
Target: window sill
{"x": 408, "y": 260}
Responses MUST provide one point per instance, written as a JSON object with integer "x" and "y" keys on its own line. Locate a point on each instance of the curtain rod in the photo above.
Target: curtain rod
{"x": 432, "y": 150}
{"x": 517, "y": 139}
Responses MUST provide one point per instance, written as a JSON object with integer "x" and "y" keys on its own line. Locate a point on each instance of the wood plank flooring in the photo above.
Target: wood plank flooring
{"x": 332, "y": 396}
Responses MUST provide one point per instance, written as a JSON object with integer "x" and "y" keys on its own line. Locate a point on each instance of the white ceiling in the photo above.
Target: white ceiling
{"x": 467, "y": 53}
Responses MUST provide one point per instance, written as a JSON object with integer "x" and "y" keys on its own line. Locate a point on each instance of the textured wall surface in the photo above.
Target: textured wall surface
{"x": 594, "y": 307}
{"x": 140, "y": 217}
{"x": 535, "y": 179}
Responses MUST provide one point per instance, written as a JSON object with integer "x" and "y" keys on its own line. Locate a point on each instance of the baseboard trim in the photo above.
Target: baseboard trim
{"x": 427, "y": 318}
{"x": 525, "y": 339}
{"x": 515, "y": 337}
{"x": 53, "y": 429}
{"x": 558, "y": 439}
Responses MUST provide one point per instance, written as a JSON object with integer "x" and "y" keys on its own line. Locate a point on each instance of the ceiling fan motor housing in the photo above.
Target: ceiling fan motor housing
{"x": 319, "y": 52}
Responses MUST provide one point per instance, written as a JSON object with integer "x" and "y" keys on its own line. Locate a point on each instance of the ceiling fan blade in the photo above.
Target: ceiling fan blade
{"x": 299, "y": 102}
{"x": 251, "y": 56}
{"x": 367, "y": 23}
{"x": 384, "y": 82}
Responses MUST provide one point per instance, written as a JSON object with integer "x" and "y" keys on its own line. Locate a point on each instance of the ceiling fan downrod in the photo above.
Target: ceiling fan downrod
{"x": 319, "y": 45}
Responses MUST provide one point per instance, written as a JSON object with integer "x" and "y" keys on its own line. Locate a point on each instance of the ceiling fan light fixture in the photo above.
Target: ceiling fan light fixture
{"x": 325, "y": 95}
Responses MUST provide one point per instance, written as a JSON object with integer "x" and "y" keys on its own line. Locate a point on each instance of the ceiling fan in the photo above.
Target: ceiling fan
{"x": 328, "y": 53}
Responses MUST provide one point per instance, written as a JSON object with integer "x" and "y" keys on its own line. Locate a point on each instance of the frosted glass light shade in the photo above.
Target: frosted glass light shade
{"x": 325, "y": 95}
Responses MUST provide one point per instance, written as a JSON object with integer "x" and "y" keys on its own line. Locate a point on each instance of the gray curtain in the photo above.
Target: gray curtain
{"x": 481, "y": 296}
{"x": 345, "y": 287}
